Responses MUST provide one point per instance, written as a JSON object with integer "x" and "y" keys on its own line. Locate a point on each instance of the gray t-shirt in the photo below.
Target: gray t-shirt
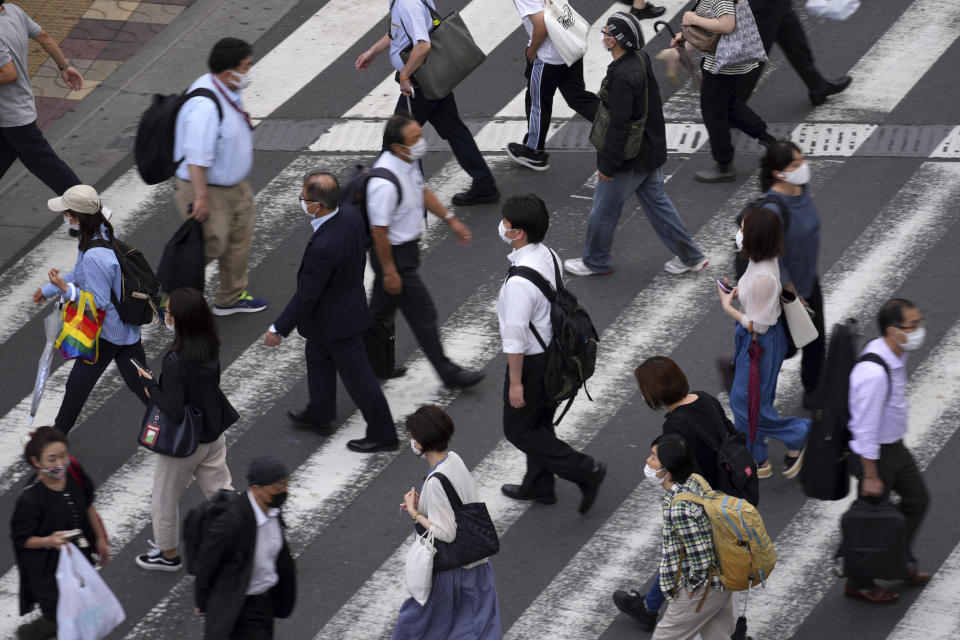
{"x": 17, "y": 107}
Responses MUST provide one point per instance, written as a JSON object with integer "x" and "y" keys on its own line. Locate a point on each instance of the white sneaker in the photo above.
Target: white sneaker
{"x": 577, "y": 268}
{"x": 675, "y": 266}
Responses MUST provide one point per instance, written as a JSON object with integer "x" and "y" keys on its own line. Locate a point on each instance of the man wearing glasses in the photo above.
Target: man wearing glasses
{"x": 878, "y": 424}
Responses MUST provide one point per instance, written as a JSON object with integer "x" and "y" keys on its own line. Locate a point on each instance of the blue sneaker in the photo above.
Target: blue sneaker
{"x": 245, "y": 304}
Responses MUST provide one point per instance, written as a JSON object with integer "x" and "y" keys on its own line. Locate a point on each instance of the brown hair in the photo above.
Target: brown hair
{"x": 40, "y": 440}
{"x": 431, "y": 427}
{"x": 762, "y": 235}
{"x": 661, "y": 381}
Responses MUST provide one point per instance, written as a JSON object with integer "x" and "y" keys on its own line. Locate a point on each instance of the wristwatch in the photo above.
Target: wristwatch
{"x": 66, "y": 66}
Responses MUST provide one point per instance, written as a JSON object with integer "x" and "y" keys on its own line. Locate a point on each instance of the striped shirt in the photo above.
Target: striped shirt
{"x": 715, "y": 9}
{"x": 98, "y": 272}
{"x": 687, "y": 544}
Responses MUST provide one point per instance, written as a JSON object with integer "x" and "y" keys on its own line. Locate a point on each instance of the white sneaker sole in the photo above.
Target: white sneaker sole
{"x": 147, "y": 566}
{"x": 685, "y": 269}
{"x": 229, "y": 311}
{"x": 530, "y": 164}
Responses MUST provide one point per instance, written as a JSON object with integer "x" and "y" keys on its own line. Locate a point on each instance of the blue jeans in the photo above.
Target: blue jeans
{"x": 608, "y": 200}
{"x": 791, "y": 431}
{"x": 654, "y": 598}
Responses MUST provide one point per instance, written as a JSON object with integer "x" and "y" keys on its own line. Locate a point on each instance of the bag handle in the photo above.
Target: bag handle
{"x": 452, "y": 496}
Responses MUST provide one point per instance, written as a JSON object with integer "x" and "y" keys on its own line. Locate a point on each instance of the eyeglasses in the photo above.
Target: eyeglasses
{"x": 302, "y": 199}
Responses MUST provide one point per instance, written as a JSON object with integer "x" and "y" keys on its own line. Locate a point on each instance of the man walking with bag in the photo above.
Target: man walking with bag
{"x": 629, "y": 156}
{"x": 546, "y": 72}
{"x": 878, "y": 424}
{"x": 410, "y": 24}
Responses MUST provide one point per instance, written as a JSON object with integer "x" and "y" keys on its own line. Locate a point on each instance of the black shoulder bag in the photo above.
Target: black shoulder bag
{"x": 476, "y": 535}
{"x": 161, "y": 434}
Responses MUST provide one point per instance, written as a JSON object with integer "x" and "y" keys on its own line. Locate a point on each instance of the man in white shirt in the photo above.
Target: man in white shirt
{"x": 546, "y": 72}
{"x": 410, "y": 24}
{"x": 527, "y": 412}
{"x": 878, "y": 424}
{"x": 216, "y": 146}
{"x": 396, "y": 220}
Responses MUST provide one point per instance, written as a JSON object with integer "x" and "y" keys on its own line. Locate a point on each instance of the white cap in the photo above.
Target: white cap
{"x": 79, "y": 199}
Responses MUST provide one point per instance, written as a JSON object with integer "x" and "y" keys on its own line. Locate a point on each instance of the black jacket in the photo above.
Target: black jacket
{"x": 224, "y": 565}
{"x": 197, "y": 384}
{"x": 331, "y": 303}
{"x": 625, "y": 82}
{"x": 703, "y": 416}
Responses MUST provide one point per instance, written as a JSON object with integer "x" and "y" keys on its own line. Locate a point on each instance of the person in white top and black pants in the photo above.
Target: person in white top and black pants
{"x": 396, "y": 220}
{"x": 546, "y": 72}
{"x": 527, "y": 411}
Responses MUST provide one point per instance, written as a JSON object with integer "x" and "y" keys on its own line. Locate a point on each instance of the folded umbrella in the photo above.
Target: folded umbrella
{"x": 52, "y": 326}
{"x": 753, "y": 388}
{"x": 682, "y": 53}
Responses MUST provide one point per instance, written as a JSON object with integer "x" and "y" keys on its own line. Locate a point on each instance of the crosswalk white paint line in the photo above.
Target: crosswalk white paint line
{"x": 871, "y": 270}
{"x": 935, "y": 614}
{"x": 896, "y": 62}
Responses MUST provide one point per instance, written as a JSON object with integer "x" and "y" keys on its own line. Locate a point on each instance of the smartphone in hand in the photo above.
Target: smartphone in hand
{"x": 723, "y": 285}
{"x": 140, "y": 365}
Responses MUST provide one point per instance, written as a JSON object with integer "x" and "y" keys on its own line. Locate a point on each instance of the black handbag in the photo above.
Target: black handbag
{"x": 161, "y": 434}
{"x": 379, "y": 341}
{"x": 874, "y": 541}
{"x": 476, "y": 536}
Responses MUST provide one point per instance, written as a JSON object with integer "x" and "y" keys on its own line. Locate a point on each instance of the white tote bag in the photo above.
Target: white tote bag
{"x": 833, "y": 9}
{"x": 420, "y": 567}
{"x": 567, "y": 30}
{"x": 802, "y": 331}
{"x": 86, "y": 608}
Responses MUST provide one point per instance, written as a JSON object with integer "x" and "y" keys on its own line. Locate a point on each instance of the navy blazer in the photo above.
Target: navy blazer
{"x": 331, "y": 303}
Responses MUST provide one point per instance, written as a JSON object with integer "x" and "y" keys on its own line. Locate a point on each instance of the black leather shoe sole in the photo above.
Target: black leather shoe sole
{"x": 649, "y": 11}
{"x": 468, "y": 198}
{"x": 396, "y": 373}
{"x": 513, "y": 491}
{"x": 371, "y": 446}
{"x": 300, "y": 421}
{"x": 817, "y": 98}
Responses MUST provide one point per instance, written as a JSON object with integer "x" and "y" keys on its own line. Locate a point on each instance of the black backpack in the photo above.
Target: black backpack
{"x": 572, "y": 353}
{"x": 153, "y": 148}
{"x": 139, "y": 285}
{"x": 825, "y": 473}
{"x": 354, "y": 193}
{"x": 198, "y": 521}
{"x": 740, "y": 264}
{"x": 736, "y": 468}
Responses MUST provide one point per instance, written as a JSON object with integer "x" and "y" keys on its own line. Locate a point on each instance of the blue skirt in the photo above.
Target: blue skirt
{"x": 462, "y": 606}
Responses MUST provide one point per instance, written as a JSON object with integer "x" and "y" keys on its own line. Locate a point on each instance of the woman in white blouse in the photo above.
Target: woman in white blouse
{"x": 463, "y": 601}
{"x": 759, "y": 318}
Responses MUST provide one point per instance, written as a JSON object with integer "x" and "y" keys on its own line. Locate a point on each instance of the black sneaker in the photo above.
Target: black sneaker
{"x": 39, "y": 629}
{"x": 633, "y": 605}
{"x": 153, "y": 560}
{"x": 524, "y": 155}
{"x": 649, "y": 11}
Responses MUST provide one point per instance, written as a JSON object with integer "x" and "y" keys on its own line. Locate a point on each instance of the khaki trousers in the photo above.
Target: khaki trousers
{"x": 227, "y": 233}
{"x": 682, "y": 622}
{"x": 208, "y": 464}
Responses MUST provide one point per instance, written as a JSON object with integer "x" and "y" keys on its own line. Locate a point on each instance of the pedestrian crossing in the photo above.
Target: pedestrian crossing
{"x": 870, "y": 254}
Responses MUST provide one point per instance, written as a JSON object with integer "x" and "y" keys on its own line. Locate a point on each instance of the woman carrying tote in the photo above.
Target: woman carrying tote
{"x": 190, "y": 377}
{"x": 463, "y": 601}
{"x": 784, "y": 173}
{"x": 760, "y": 318}
{"x": 56, "y": 502}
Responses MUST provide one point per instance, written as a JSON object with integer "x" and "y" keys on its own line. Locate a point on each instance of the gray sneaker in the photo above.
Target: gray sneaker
{"x": 717, "y": 173}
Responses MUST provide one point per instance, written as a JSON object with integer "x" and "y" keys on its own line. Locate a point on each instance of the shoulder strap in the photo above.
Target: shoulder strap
{"x": 784, "y": 209}
{"x": 75, "y": 471}
{"x": 686, "y": 496}
{"x": 452, "y": 496}
{"x": 874, "y": 358}
{"x": 207, "y": 93}
{"x": 433, "y": 13}
{"x": 541, "y": 283}
{"x": 386, "y": 174}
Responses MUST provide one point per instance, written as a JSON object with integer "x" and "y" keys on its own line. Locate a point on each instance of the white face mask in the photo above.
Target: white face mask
{"x": 418, "y": 149}
{"x": 651, "y": 474}
{"x": 502, "y": 230}
{"x": 67, "y": 221}
{"x": 242, "y": 80}
{"x": 799, "y": 177}
{"x": 168, "y": 320}
{"x": 417, "y": 451}
{"x": 303, "y": 205}
{"x": 739, "y": 239}
{"x": 914, "y": 339}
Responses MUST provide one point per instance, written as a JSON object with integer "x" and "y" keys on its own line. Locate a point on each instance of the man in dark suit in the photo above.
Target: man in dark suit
{"x": 245, "y": 573}
{"x": 330, "y": 310}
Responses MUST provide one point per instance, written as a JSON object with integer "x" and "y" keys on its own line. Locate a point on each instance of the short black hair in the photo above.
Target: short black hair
{"x": 528, "y": 212}
{"x": 40, "y": 440}
{"x": 673, "y": 452}
{"x": 228, "y": 53}
{"x": 661, "y": 381}
{"x": 393, "y": 132}
{"x": 762, "y": 235}
{"x": 778, "y": 157}
{"x": 323, "y": 187}
{"x": 431, "y": 427}
{"x": 891, "y": 313}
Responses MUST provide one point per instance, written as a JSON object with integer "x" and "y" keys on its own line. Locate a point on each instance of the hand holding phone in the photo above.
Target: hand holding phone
{"x": 724, "y": 286}
{"x": 142, "y": 368}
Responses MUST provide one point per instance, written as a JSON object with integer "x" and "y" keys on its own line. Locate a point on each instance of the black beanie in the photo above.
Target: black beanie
{"x": 266, "y": 469}
{"x": 626, "y": 30}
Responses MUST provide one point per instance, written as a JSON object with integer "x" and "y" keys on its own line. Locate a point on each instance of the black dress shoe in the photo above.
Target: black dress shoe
{"x": 302, "y": 421}
{"x": 369, "y": 445}
{"x": 649, "y": 11}
{"x": 832, "y": 87}
{"x": 516, "y": 492}
{"x": 396, "y": 373}
{"x": 463, "y": 378}
{"x": 592, "y": 486}
{"x": 473, "y": 196}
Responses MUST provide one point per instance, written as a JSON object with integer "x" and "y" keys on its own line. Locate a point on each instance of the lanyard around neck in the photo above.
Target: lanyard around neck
{"x": 246, "y": 116}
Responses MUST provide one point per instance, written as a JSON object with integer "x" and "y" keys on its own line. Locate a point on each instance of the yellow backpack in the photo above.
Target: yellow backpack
{"x": 744, "y": 551}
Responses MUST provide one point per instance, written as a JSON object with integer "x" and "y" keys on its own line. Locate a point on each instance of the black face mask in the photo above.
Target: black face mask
{"x": 276, "y": 500}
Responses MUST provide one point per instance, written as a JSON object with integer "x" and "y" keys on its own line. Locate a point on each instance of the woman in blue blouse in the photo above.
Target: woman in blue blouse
{"x": 98, "y": 272}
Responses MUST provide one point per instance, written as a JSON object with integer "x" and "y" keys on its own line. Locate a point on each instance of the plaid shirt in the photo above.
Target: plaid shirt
{"x": 687, "y": 544}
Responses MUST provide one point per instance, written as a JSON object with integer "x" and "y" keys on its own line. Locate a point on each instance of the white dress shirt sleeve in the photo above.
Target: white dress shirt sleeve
{"x": 200, "y": 134}
{"x": 439, "y": 512}
{"x": 528, "y": 7}
{"x": 765, "y": 306}
{"x": 517, "y": 313}
{"x": 867, "y": 400}
{"x": 382, "y": 200}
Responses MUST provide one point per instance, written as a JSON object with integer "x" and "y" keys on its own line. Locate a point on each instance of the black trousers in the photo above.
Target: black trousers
{"x": 899, "y": 472}
{"x": 349, "y": 357}
{"x": 723, "y": 104}
{"x": 445, "y": 118}
{"x": 28, "y": 144}
{"x": 83, "y": 378}
{"x": 813, "y": 353}
{"x": 778, "y": 23}
{"x": 543, "y": 80}
{"x": 531, "y": 430}
{"x": 255, "y": 621}
{"x": 414, "y": 303}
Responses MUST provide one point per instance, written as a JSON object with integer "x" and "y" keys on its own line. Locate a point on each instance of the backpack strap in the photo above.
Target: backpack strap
{"x": 452, "y": 495}
{"x": 203, "y": 92}
{"x": 75, "y": 471}
{"x": 98, "y": 243}
{"x": 386, "y": 174}
{"x": 876, "y": 359}
{"x": 772, "y": 198}
{"x": 534, "y": 276}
